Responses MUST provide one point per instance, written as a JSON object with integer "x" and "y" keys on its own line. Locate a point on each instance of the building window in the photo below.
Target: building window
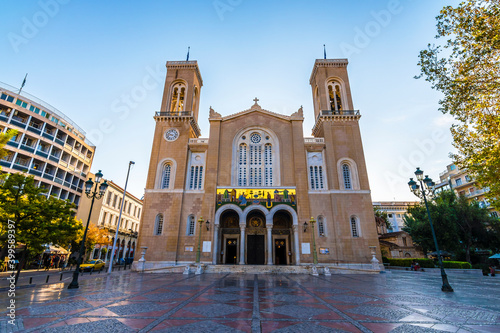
{"x": 346, "y": 173}
{"x": 159, "y": 224}
{"x": 404, "y": 241}
{"x": 196, "y": 178}
{"x": 114, "y": 200}
{"x": 321, "y": 226}
{"x": 354, "y": 227}
{"x": 242, "y": 165}
{"x": 458, "y": 181}
{"x": 178, "y": 97}
{"x": 494, "y": 214}
{"x": 255, "y": 158}
{"x": 191, "y": 225}
{"x": 316, "y": 174}
{"x": 165, "y": 179}
{"x": 334, "y": 96}
{"x": 104, "y": 215}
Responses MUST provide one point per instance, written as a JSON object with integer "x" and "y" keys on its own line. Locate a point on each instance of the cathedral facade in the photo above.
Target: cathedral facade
{"x": 256, "y": 192}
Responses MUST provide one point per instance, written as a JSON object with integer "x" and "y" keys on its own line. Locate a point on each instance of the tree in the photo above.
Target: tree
{"x": 382, "y": 220}
{"x": 38, "y": 220}
{"x": 466, "y": 69}
{"x": 95, "y": 235}
{"x": 459, "y": 225}
{"x": 4, "y": 138}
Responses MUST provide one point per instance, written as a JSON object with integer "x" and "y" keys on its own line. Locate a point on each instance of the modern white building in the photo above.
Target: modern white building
{"x": 49, "y": 145}
{"x": 395, "y": 212}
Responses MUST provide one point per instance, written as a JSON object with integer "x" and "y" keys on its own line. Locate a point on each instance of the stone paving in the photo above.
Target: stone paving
{"x": 398, "y": 301}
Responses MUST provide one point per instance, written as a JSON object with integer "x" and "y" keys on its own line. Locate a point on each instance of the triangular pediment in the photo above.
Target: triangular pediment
{"x": 256, "y": 108}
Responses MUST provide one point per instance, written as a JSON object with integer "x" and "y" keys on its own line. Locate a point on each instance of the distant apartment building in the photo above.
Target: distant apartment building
{"x": 48, "y": 146}
{"x": 395, "y": 212}
{"x": 464, "y": 184}
{"x": 394, "y": 242}
{"x": 105, "y": 214}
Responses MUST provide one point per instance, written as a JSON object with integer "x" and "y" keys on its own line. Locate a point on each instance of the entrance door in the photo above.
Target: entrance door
{"x": 231, "y": 251}
{"x": 255, "y": 250}
{"x": 280, "y": 252}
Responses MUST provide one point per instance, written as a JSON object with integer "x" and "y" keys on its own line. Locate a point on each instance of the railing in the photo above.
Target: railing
{"x": 339, "y": 113}
{"x": 198, "y": 140}
{"x": 174, "y": 114}
{"x": 314, "y": 140}
{"x": 477, "y": 192}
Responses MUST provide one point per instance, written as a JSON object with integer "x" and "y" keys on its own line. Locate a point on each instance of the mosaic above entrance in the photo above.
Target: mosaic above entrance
{"x": 265, "y": 197}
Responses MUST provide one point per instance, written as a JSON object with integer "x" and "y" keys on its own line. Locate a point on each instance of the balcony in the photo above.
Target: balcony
{"x": 54, "y": 158}
{"x": 329, "y": 113}
{"x": 174, "y": 114}
{"x": 198, "y": 141}
{"x": 48, "y": 136}
{"x": 35, "y": 172}
{"x": 314, "y": 140}
{"x": 13, "y": 144}
{"x": 18, "y": 122}
{"x": 42, "y": 153}
{"x": 59, "y": 180}
{"x": 476, "y": 193}
{"x": 28, "y": 148}
{"x": 59, "y": 141}
{"x": 48, "y": 176}
{"x": 34, "y": 130}
{"x": 4, "y": 117}
{"x": 5, "y": 163}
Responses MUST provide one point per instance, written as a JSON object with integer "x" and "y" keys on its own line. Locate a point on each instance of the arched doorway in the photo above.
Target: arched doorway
{"x": 282, "y": 241}
{"x": 230, "y": 230}
{"x": 256, "y": 238}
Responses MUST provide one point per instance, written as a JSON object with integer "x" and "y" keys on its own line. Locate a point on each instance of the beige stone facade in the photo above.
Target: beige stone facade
{"x": 256, "y": 180}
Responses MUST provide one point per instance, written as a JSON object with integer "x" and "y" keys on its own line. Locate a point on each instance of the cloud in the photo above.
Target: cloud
{"x": 445, "y": 120}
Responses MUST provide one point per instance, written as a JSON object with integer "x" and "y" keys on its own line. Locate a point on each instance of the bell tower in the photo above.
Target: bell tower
{"x": 181, "y": 94}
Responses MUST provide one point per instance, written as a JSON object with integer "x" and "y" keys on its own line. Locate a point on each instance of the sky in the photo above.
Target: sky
{"x": 102, "y": 63}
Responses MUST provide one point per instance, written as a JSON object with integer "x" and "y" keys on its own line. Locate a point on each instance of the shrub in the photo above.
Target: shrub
{"x": 385, "y": 260}
{"x": 406, "y": 262}
{"x": 457, "y": 264}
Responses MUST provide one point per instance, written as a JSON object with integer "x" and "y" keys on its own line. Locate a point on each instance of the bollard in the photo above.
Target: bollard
{"x": 119, "y": 268}
{"x": 60, "y": 277}
{"x": 47, "y": 280}
{"x": 91, "y": 270}
{"x": 31, "y": 279}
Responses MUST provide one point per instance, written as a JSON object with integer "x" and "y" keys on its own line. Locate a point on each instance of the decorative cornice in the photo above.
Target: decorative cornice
{"x": 256, "y": 109}
{"x": 186, "y": 65}
{"x": 337, "y": 63}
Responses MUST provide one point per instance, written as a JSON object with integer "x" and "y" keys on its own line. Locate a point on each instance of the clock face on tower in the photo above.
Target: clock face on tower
{"x": 172, "y": 134}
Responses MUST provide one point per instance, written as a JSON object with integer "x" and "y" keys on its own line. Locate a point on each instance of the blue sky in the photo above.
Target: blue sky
{"x": 104, "y": 63}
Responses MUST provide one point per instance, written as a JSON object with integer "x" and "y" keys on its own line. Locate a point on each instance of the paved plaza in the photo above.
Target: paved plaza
{"x": 398, "y": 301}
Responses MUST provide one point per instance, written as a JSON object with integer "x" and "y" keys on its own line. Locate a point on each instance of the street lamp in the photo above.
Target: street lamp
{"x": 110, "y": 267}
{"x": 96, "y": 194}
{"x": 421, "y": 191}
{"x": 200, "y": 221}
{"x": 315, "y": 255}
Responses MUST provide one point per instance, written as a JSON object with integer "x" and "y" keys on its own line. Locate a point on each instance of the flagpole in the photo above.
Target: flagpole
{"x": 22, "y": 84}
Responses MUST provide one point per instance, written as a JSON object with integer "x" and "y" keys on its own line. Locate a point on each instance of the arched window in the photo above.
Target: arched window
{"x": 159, "y": 224}
{"x": 321, "y": 226}
{"x": 191, "y": 225}
{"x": 242, "y": 165}
{"x": 354, "y": 227}
{"x": 255, "y": 160}
{"x": 346, "y": 174}
{"x": 165, "y": 178}
{"x": 316, "y": 176}
{"x": 335, "y": 96}
{"x": 178, "y": 96}
{"x": 196, "y": 178}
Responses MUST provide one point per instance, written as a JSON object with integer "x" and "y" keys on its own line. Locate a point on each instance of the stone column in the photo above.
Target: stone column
{"x": 242, "y": 244}
{"x": 269, "y": 244}
{"x": 216, "y": 244}
{"x": 296, "y": 244}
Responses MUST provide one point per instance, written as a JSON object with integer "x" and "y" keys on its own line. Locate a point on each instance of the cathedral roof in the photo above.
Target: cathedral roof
{"x": 257, "y": 108}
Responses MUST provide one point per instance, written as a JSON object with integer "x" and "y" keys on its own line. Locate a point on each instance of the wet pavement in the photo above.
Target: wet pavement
{"x": 400, "y": 301}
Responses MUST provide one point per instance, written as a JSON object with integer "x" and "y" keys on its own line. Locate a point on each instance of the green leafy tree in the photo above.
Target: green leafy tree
{"x": 466, "y": 69}
{"x": 4, "y": 138}
{"x": 460, "y": 225}
{"x": 38, "y": 220}
{"x": 382, "y": 220}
